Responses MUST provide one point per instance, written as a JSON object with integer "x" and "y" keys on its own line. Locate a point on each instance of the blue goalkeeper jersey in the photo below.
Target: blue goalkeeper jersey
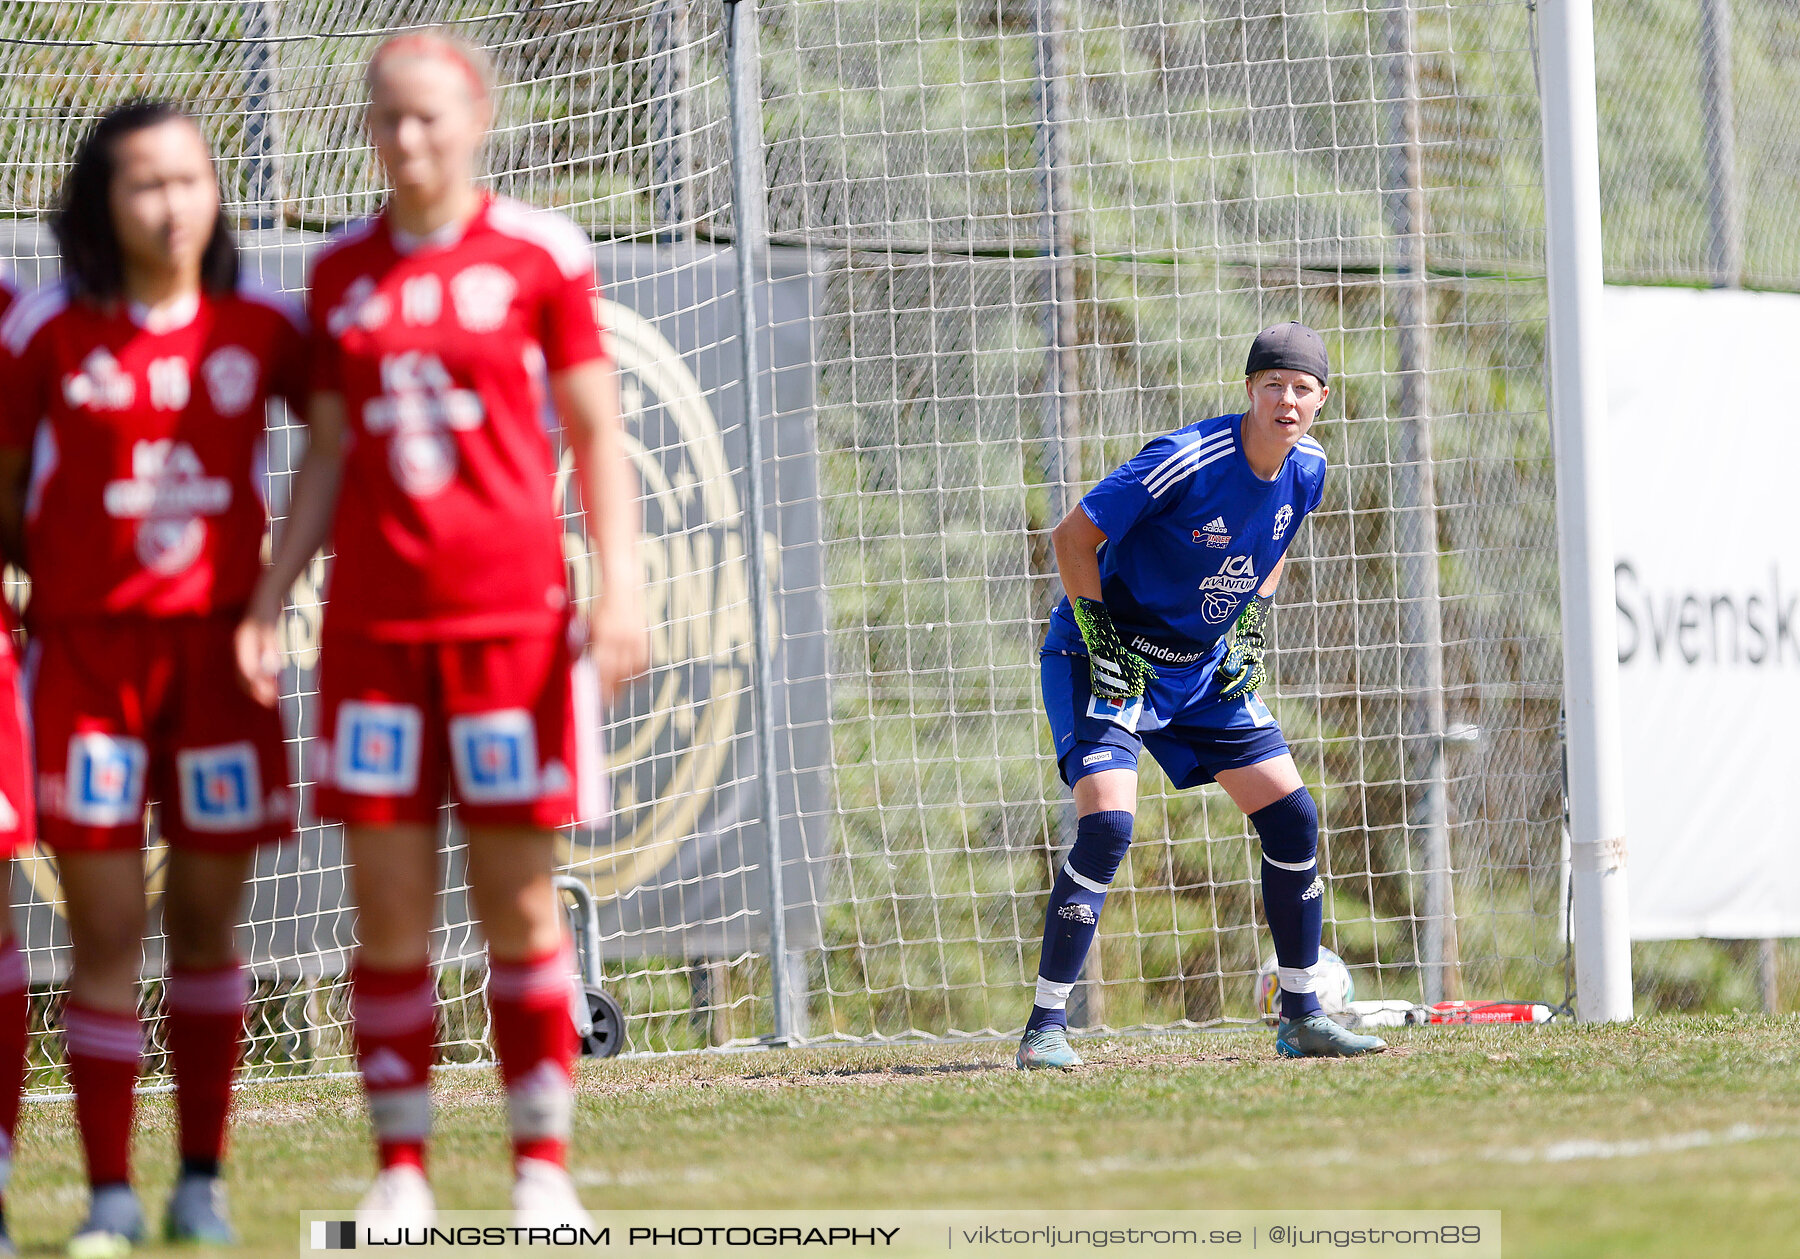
{"x": 1191, "y": 535}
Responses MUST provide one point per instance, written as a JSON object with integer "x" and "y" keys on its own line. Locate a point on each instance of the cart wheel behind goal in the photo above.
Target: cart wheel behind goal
{"x": 608, "y": 1036}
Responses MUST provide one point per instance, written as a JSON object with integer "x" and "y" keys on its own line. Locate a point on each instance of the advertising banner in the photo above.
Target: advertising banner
{"x": 1705, "y": 443}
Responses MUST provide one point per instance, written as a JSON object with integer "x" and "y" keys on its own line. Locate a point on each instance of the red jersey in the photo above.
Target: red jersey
{"x": 147, "y": 439}
{"x": 9, "y": 293}
{"x": 445, "y": 525}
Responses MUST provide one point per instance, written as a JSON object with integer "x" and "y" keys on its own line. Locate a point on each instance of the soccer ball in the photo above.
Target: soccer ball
{"x": 1336, "y": 988}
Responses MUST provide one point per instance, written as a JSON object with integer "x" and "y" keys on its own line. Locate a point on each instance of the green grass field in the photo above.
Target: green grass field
{"x": 1673, "y": 1137}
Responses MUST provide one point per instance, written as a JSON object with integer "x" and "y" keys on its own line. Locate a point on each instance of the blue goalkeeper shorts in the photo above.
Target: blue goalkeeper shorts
{"x": 1192, "y": 733}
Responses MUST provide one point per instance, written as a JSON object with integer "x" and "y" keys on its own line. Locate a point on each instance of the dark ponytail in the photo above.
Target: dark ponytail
{"x": 83, "y": 221}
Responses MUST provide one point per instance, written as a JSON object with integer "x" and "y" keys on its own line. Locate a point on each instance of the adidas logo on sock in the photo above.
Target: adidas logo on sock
{"x": 1075, "y": 911}
{"x": 1315, "y": 888}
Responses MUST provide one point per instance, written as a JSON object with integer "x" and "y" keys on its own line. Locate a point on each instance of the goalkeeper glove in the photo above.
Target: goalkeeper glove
{"x": 1114, "y": 670}
{"x": 1242, "y": 668}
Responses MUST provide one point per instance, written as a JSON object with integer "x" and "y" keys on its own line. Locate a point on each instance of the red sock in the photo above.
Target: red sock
{"x": 206, "y": 1034}
{"x": 395, "y": 1014}
{"x": 535, "y": 1036}
{"x": 15, "y": 1017}
{"x": 104, "y": 1049}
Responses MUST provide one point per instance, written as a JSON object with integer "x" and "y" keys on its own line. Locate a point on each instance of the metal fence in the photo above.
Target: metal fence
{"x": 1037, "y": 233}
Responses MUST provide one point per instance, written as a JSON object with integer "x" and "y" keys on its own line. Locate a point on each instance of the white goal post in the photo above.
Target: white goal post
{"x": 1597, "y": 823}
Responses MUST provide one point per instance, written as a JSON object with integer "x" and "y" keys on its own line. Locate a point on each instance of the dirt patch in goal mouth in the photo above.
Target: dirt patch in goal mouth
{"x": 818, "y": 1069}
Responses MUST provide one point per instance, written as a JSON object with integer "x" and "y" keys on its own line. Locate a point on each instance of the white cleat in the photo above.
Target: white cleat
{"x": 400, "y": 1199}
{"x": 544, "y": 1197}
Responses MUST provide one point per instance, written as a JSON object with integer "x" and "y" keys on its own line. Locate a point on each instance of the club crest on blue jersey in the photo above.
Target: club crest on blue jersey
{"x": 106, "y": 779}
{"x": 377, "y": 748}
{"x": 495, "y": 756}
{"x": 220, "y": 787}
{"x": 1125, "y": 713}
{"x": 1283, "y": 519}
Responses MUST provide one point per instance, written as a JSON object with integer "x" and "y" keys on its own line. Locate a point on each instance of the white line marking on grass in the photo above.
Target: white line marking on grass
{"x": 1557, "y": 1152}
{"x": 1574, "y": 1151}
{"x": 599, "y": 1176}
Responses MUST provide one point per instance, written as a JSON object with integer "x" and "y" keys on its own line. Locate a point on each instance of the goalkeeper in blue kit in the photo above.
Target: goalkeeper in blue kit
{"x": 1169, "y": 563}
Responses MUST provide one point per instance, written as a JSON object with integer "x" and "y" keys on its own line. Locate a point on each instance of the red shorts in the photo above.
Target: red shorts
{"x": 18, "y": 805}
{"x": 148, "y": 710}
{"x": 508, "y": 727}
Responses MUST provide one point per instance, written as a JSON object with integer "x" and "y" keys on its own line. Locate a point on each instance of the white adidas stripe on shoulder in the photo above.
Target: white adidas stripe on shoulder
{"x": 1311, "y": 447}
{"x": 255, "y": 291}
{"x": 1190, "y": 450}
{"x": 1190, "y": 457}
{"x": 567, "y": 244}
{"x": 1188, "y": 469}
{"x": 31, "y": 313}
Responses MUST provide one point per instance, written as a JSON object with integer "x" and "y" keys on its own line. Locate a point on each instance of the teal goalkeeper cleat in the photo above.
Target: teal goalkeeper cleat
{"x": 198, "y": 1214}
{"x": 1316, "y": 1036}
{"x": 1047, "y": 1047}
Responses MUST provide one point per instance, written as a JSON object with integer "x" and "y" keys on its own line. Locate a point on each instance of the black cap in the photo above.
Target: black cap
{"x": 1290, "y": 345}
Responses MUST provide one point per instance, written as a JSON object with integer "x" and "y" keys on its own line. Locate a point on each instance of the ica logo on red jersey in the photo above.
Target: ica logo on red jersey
{"x": 169, "y": 494}
{"x": 419, "y": 408}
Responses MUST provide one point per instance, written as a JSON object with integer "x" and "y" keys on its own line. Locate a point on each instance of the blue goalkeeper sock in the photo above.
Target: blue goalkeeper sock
{"x": 1073, "y": 916}
{"x": 1293, "y": 896}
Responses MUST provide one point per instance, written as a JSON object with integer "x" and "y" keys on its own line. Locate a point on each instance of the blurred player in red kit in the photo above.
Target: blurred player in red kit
{"x": 131, "y": 490}
{"x": 451, "y": 660}
{"x": 18, "y": 831}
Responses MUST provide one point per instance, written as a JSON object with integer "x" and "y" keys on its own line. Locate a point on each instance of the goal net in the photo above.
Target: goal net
{"x": 1007, "y": 244}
